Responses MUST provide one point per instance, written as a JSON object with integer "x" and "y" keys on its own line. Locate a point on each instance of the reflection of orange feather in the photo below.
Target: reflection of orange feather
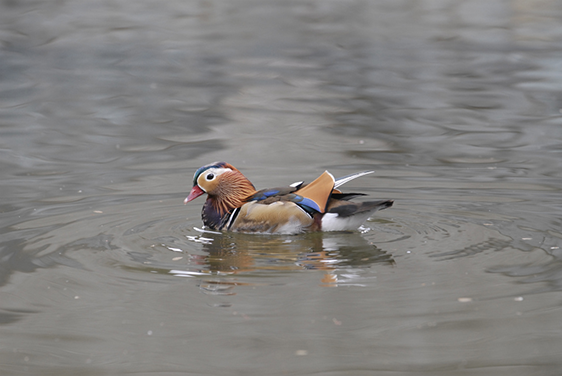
{"x": 319, "y": 190}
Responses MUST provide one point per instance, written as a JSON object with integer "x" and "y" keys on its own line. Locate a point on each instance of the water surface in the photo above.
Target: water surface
{"x": 107, "y": 109}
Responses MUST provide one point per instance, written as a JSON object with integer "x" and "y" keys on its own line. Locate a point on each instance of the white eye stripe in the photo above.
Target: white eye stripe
{"x": 218, "y": 171}
{"x": 212, "y": 173}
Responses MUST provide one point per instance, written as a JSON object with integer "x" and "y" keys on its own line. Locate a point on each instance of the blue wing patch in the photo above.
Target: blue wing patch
{"x": 303, "y": 201}
{"x": 307, "y": 204}
{"x": 265, "y": 194}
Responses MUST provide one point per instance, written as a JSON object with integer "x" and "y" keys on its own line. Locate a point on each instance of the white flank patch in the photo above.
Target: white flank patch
{"x": 333, "y": 222}
{"x": 293, "y": 226}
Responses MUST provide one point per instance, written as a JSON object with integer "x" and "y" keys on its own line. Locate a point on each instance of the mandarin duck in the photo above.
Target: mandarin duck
{"x": 234, "y": 204}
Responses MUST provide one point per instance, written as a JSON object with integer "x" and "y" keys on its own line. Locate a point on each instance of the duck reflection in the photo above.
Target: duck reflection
{"x": 233, "y": 253}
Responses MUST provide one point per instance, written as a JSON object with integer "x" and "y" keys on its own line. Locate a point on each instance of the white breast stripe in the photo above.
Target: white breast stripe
{"x": 233, "y": 216}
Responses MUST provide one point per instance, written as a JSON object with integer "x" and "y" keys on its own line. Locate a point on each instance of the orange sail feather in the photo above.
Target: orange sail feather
{"x": 319, "y": 190}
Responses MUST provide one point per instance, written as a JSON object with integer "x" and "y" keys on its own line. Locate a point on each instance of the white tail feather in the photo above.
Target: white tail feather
{"x": 344, "y": 179}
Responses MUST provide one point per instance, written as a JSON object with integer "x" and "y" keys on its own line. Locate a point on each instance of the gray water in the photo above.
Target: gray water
{"x": 108, "y": 107}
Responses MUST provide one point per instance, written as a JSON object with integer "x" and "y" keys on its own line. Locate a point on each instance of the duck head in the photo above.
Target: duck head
{"x": 226, "y": 187}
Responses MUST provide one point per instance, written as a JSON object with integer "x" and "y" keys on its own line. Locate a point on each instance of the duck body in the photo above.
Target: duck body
{"x": 233, "y": 203}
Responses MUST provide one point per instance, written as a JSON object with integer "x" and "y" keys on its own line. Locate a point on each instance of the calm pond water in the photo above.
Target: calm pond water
{"x": 108, "y": 107}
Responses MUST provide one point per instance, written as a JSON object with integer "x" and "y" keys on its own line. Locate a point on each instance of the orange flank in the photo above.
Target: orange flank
{"x": 319, "y": 190}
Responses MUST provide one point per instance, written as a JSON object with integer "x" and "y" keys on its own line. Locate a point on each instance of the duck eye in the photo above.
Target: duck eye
{"x": 210, "y": 176}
